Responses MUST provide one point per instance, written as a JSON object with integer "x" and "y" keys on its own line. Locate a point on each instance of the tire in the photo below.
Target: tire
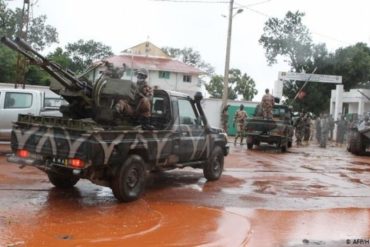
{"x": 214, "y": 166}
{"x": 250, "y": 142}
{"x": 129, "y": 181}
{"x": 355, "y": 144}
{"x": 283, "y": 148}
{"x": 289, "y": 144}
{"x": 62, "y": 181}
{"x": 250, "y": 145}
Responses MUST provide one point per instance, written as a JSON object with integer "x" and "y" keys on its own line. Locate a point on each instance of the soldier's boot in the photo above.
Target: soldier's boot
{"x": 236, "y": 138}
{"x": 241, "y": 141}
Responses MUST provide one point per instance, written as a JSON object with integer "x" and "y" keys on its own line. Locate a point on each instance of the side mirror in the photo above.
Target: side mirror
{"x": 198, "y": 96}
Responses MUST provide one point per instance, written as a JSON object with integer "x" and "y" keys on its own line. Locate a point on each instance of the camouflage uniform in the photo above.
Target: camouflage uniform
{"x": 299, "y": 129}
{"x": 307, "y": 128}
{"x": 267, "y": 105}
{"x": 324, "y": 127}
{"x": 224, "y": 118}
{"x": 239, "y": 120}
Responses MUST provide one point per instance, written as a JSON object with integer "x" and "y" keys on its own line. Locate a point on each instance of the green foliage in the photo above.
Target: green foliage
{"x": 190, "y": 57}
{"x": 288, "y": 38}
{"x": 239, "y": 84}
{"x": 243, "y": 84}
{"x": 83, "y": 53}
{"x": 353, "y": 63}
{"x": 7, "y": 64}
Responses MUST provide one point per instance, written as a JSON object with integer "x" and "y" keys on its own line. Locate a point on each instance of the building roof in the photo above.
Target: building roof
{"x": 153, "y": 63}
{"x": 146, "y": 49}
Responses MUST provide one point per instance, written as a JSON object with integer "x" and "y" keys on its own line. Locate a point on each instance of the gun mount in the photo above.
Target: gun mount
{"x": 87, "y": 98}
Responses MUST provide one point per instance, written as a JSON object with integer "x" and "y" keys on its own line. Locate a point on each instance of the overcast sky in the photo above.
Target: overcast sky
{"x": 121, "y": 24}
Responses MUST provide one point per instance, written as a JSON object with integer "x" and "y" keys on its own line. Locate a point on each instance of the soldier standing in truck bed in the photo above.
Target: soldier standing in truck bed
{"x": 239, "y": 121}
{"x": 143, "y": 97}
{"x": 267, "y": 105}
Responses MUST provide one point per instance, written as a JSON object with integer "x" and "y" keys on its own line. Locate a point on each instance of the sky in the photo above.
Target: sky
{"x": 202, "y": 25}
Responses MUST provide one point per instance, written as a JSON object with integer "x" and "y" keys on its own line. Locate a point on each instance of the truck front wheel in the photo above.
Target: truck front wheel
{"x": 62, "y": 181}
{"x": 129, "y": 181}
{"x": 214, "y": 166}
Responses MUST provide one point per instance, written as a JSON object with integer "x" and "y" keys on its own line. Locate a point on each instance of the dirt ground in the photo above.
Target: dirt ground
{"x": 308, "y": 196}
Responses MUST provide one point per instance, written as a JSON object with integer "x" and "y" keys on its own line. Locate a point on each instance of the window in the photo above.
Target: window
{"x": 164, "y": 74}
{"x": 128, "y": 72}
{"x": 186, "y": 112}
{"x": 186, "y": 78}
{"x": 17, "y": 100}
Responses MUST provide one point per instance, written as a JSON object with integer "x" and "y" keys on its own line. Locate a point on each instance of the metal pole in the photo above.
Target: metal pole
{"x": 304, "y": 85}
{"x": 227, "y": 59}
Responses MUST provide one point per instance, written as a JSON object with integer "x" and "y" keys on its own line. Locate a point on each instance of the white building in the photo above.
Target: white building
{"x": 164, "y": 71}
{"x": 353, "y": 101}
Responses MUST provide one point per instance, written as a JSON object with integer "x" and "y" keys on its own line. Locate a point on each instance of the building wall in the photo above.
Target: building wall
{"x": 353, "y": 100}
{"x": 174, "y": 82}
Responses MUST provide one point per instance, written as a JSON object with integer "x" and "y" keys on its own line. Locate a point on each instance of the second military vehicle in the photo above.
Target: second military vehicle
{"x": 276, "y": 131}
{"x": 94, "y": 142}
{"x": 359, "y": 137}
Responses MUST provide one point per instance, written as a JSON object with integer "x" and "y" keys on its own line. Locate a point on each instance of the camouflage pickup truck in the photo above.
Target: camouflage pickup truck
{"x": 277, "y": 131}
{"x": 120, "y": 156}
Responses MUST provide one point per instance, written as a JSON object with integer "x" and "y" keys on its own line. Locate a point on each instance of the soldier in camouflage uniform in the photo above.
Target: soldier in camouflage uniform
{"x": 324, "y": 127}
{"x": 239, "y": 120}
{"x": 224, "y": 118}
{"x": 299, "y": 129}
{"x": 267, "y": 105}
{"x": 142, "y": 104}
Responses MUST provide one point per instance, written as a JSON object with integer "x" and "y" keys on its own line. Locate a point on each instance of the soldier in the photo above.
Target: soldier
{"x": 267, "y": 104}
{"x": 307, "y": 128}
{"x": 143, "y": 108}
{"x": 299, "y": 129}
{"x": 341, "y": 130}
{"x": 324, "y": 127}
{"x": 224, "y": 117}
{"x": 331, "y": 126}
{"x": 239, "y": 120}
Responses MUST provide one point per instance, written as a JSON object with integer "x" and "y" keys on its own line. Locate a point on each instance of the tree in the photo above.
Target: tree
{"x": 215, "y": 88}
{"x": 246, "y": 87}
{"x": 190, "y": 57}
{"x": 353, "y": 63}
{"x": 83, "y": 53}
{"x": 288, "y": 38}
{"x": 239, "y": 84}
{"x": 39, "y": 35}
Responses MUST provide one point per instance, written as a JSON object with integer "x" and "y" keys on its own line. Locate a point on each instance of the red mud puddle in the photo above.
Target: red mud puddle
{"x": 133, "y": 224}
{"x": 331, "y": 227}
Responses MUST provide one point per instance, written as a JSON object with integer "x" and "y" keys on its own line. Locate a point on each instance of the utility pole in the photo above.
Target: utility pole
{"x": 23, "y": 30}
{"x": 225, "y": 93}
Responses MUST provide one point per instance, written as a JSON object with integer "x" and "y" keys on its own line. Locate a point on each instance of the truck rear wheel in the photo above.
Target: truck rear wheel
{"x": 129, "y": 181}
{"x": 355, "y": 143}
{"x": 214, "y": 166}
{"x": 62, "y": 181}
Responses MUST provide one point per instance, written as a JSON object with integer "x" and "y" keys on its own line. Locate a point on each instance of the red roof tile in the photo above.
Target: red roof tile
{"x": 153, "y": 63}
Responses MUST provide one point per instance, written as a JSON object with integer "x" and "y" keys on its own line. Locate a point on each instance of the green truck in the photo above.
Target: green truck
{"x": 277, "y": 131}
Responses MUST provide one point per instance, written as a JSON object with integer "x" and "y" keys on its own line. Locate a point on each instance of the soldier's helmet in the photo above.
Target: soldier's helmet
{"x": 142, "y": 74}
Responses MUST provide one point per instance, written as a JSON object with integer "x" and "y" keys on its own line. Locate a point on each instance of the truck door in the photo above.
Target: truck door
{"x": 192, "y": 132}
{"x": 14, "y": 103}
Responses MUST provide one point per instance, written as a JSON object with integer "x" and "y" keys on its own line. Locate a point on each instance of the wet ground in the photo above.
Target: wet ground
{"x": 308, "y": 196}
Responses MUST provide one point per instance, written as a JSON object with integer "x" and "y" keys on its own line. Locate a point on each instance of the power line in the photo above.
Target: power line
{"x": 190, "y": 1}
{"x": 269, "y": 16}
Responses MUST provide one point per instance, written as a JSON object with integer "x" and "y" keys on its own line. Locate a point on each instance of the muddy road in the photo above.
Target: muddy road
{"x": 306, "y": 197}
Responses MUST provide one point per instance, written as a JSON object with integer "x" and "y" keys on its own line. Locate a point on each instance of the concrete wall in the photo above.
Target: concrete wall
{"x": 212, "y": 109}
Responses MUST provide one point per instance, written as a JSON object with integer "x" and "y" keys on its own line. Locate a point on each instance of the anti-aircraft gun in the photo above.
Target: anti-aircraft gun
{"x": 87, "y": 98}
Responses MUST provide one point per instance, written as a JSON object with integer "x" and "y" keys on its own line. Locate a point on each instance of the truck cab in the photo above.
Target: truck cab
{"x": 15, "y": 101}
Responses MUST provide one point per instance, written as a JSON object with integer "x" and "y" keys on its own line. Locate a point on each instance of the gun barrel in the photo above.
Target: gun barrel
{"x": 14, "y": 46}
{"x": 66, "y": 73}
